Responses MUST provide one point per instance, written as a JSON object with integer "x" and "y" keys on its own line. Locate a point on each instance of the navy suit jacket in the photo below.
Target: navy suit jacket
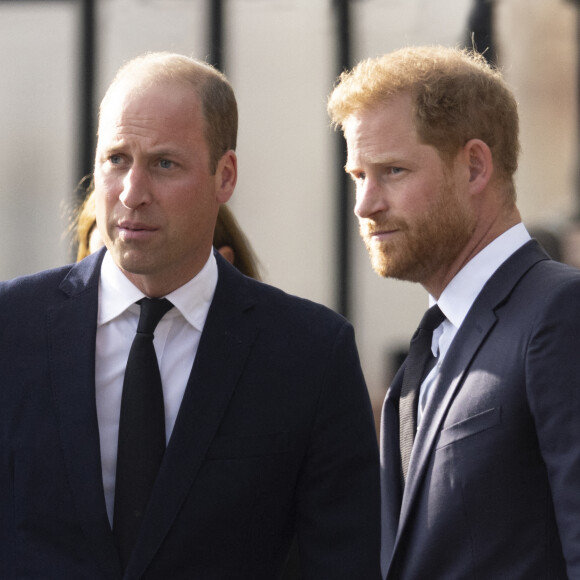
{"x": 493, "y": 489}
{"x": 274, "y": 437}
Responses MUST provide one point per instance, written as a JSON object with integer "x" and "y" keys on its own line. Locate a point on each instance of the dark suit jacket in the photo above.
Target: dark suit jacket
{"x": 493, "y": 489}
{"x": 274, "y": 435}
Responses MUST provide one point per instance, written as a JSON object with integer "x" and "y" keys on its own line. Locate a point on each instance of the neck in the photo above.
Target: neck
{"x": 483, "y": 235}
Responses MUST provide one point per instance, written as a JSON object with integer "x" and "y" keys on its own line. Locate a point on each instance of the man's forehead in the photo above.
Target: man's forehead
{"x": 147, "y": 105}
{"x": 124, "y": 93}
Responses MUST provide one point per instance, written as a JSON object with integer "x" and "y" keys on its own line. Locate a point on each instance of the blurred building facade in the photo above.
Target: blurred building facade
{"x": 280, "y": 55}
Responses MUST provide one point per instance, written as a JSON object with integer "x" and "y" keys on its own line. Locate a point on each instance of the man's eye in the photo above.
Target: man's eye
{"x": 115, "y": 159}
{"x": 395, "y": 170}
{"x": 165, "y": 164}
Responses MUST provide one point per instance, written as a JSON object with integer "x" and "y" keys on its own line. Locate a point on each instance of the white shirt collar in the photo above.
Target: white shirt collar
{"x": 192, "y": 300}
{"x": 460, "y": 294}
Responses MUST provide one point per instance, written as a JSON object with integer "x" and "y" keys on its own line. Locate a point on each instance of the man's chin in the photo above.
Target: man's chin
{"x": 381, "y": 265}
{"x": 132, "y": 261}
{"x": 390, "y": 267}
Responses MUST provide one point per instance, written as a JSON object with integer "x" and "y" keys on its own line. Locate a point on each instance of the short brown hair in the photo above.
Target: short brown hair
{"x": 218, "y": 101}
{"x": 457, "y": 96}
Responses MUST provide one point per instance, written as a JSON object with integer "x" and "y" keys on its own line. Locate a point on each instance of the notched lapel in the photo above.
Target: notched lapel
{"x": 461, "y": 353}
{"x": 71, "y": 335}
{"x": 456, "y": 364}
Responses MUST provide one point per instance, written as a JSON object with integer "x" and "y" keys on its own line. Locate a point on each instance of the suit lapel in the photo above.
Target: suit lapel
{"x": 458, "y": 359}
{"x": 225, "y": 344}
{"x": 448, "y": 382}
{"x": 472, "y": 334}
{"x": 71, "y": 337}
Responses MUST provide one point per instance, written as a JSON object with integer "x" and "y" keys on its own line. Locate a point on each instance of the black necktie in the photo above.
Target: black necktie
{"x": 419, "y": 356}
{"x": 141, "y": 429}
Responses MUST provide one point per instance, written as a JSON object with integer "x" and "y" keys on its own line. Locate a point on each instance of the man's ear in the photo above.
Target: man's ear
{"x": 477, "y": 155}
{"x": 226, "y": 176}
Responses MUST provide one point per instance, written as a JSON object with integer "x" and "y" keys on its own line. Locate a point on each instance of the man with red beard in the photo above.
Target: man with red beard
{"x": 480, "y": 461}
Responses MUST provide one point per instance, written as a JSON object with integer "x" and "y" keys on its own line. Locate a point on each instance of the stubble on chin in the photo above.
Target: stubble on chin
{"x": 129, "y": 257}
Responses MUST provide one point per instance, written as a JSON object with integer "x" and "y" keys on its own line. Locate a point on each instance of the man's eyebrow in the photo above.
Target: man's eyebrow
{"x": 349, "y": 166}
{"x": 165, "y": 152}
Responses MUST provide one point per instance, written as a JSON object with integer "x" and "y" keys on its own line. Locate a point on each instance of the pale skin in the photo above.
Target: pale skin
{"x": 156, "y": 199}
{"x": 403, "y": 185}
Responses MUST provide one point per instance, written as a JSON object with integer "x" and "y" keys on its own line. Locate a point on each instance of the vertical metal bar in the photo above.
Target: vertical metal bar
{"x": 481, "y": 29}
{"x": 343, "y": 257}
{"x": 87, "y": 73}
{"x": 216, "y": 36}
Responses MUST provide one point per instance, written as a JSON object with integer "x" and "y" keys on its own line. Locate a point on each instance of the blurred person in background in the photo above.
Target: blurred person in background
{"x": 164, "y": 416}
{"x": 480, "y": 453}
{"x": 85, "y": 234}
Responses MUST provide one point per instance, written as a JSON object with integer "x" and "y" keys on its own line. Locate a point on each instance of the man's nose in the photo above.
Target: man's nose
{"x": 370, "y": 199}
{"x": 136, "y": 188}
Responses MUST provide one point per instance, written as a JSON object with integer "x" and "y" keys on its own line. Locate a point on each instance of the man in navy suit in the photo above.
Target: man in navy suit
{"x": 268, "y": 427}
{"x": 490, "y": 488}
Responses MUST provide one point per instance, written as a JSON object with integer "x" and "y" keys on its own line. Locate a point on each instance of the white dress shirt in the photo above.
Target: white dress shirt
{"x": 460, "y": 294}
{"x": 176, "y": 340}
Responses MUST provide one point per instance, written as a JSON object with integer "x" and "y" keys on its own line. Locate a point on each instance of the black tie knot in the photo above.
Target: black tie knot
{"x": 152, "y": 311}
{"x": 432, "y": 318}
